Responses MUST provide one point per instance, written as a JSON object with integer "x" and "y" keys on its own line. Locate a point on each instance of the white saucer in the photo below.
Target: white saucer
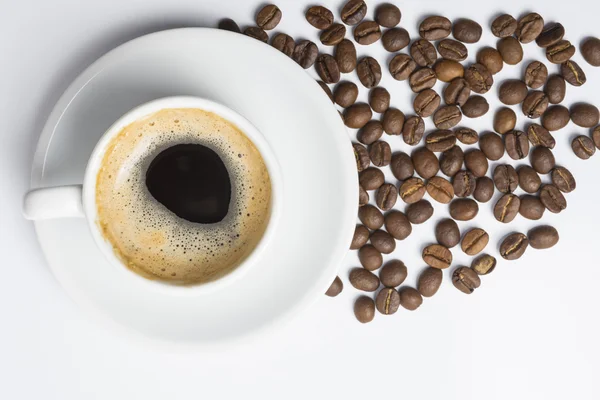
{"x": 305, "y": 133}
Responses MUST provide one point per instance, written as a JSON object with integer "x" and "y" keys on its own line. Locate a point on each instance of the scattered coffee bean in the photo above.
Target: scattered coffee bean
{"x": 513, "y": 246}
{"x": 413, "y": 130}
{"x": 457, "y": 92}
{"x": 284, "y": 43}
{"x": 426, "y": 103}
{"x": 448, "y": 70}
{"x": 425, "y": 162}
{"x": 388, "y": 15}
{"x": 555, "y": 118}
{"x": 529, "y": 180}
{"x": 529, "y": 27}
{"x": 368, "y": 71}
{"x": 380, "y": 153}
{"x": 542, "y": 160}
{"x": 430, "y": 281}
{"x": 503, "y": 26}
{"x": 504, "y": 120}
{"x": 370, "y": 216}
{"x": 451, "y": 161}
{"x": 590, "y": 50}
{"x": 447, "y": 233}
{"x": 398, "y": 225}
{"x": 512, "y": 92}
{"x": 357, "y": 115}
{"x": 387, "y": 301}
{"x": 551, "y": 34}
{"x": 410, "y": 298}
{"x": 440, "y": 140}
{"x": 596, "y": 136}
{"x": 370, "y": 258}
{"x": 256, "y": 33}
{"x": 475, "y": 107}
{"x": 539, "y": 136}
{"x": 345, "y": 94}
{"x": 383, "y": 241}
{"x": 560, "y": 52}
{"x": 345, "y": 55}
{"x": 573, "y": 73}
{"x": 371, "y": 178}
{"x": 335, "y": 288}
{"x": 367, "y": 32}
{"x": 511, "y": 50}
{"x": 531, "y": 207}
{"x": 535, "y": 75}
{"x": 506, "y": 179}
{"x": 333, "y": 35}
{"x": 363, "y": 196}
{"x": 535, "y": 104}
{"x": 492, "y": 146}
{"x": 466, "y": 135}
{"x": 437, "y": 256}
{"x": 491, "y": 59}
{"x": 360, "y": 238}
{"x": 230, "y": 25}
{"x": 465, "y": 280}
{"x": 419, "y": 212}
{"x": 585, "y": 115}
{"x": 305, "y": 53}
{"x": 268, "y": 17}
{"x": 423, "y": 53}
{"x": 402, "y": 166}
{"x": 553, "y": 199}
{"x": 421, "y": 79}
{"x": 401, "y": 66}
{"x": 464, "y": 183}
{"x": 393, "y": 273}
{"x": 393, "y": 121}
{"x": 353, "y": 12}
{"x": 483, "y": 264}
{"x": 386, "y": 196}
{"x": 451, "y": 49}
{"x": 319, "y": 17}
{"x": 435, "y": 28}
{"x": 395, "y": 39}
{"x": 361, "y": 156}
{"x": 478, "y": 77}
{"x": 326, "y": 90}
{"x": 543, "y": 237}
{"x": 507, "y": 208}
{"x": 555, "y": 89}
{"x": 370, "y": 133}
{"x": 583, "y": 147}
{"x": 464, "y": 209}
{"x": 563, "y": 179}
{"x": 467, "y": 30}
{"x": 364, "y": 309}
{"x": 475, "y": 241}
{"x": 476, "y": 162}
{"x": 517, "y": 144}
{"x": 484, "y": 189}
{"x": 447, "y": 117}
{"x": 379, "y": 99}
{"x": 412, "y": 190}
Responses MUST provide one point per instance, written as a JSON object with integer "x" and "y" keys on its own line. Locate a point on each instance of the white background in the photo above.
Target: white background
{"x": 530, "y": 332}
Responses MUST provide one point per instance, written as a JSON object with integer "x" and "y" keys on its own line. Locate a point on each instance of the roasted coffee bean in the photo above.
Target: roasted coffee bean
{"x": 466, "y": 135}
{"x": 284, "y": 43}
{"x": 447, "y": 233}
{"x": 379, "y": 99}
{"x": 535, "y": 104}
{"x": 357, "y": 115}
{"x": 563, "y": 179}
{"x": 371, "y": 178}
{"x": 451, "y": 161}
{"x": 419, "y": 212}
{"x": 512, "y": 92}
{"x": 345, "y": 55}
{"x": 467, "y": 30}
{"x": 452, "y": 50}
{"x": 492, "y": 146}
{"x": 440, "y": 140}
{"x": 475, "y": 107}
{"x": 463, "y": 209}
{"x": 326, "y": 90}
{"x": 410, "y": 298}
{"x": 412, "y": 190}
{"x": 370, "y": 216}
{"x": 425, "y": 162}
{"x": 383, "y": 241}
{"x": 361, "y": 155}
{"x": 585, "y": 115}
{"x": 426, "y": 103}
{"x": 542, "y": 160}
{"x": 539, "y": 136}
{"x": 413, "y": 130}
{"x": 395, "y": 39}
{"x": 535, "y": 75}
{"x": 511, "y": 50}
{"x": 483, "y": 264}
{"x": 319, "y": 17}
{"x": 517, "y": 144}
{"x": 504, "y": 120}
{"x": 531, "y": 207}
{"x": 335, "y": 288}
{"x": 551, "y": 34}
{"x": 503, "y": 26}
{"x": 430, "y": 281}
{"x": 457, "y": 92}
{"x": 230, "y": 25}
{"x": 397, "y": 225}
{"x": 423, "y": 53}
{"x": 507, "y": 208}
{"x": 513, "y": 246}
{"x": 529, "y": 27}
{"x": 440, "y": 190}
{"x": 555, "y": 118}
{"x": 370, "y": 133}
{"x": 447, "y": 117}
{"x": 268, "y": 17}
{"x": 345, "y": 94}
{"x": 506, "y": 179}
{"x": 386, "y": 196}
{"x": 370, "y": 258}
{"x": 368, "y": 71}
{"x": 491, "y": 59}
{"x": 360, "y": 238}
{"x": 464, "y": 183}
{"x": 393, "y": 273}
{"x": 387, "y": 301}
{"x": 596, "y": 136}
{"x": 553, "y": 199}
{"x": 448, "y": 70}
{"x": 393, "y": 121}
{"x": 475, "y": 241}
{"x": 476, "y": 162}
{"x": 529, "y": 180}
{"x": 543, "y": 237}
{"x": 367, "y": 32}
{"x": 555, "y": 89}
{"x": 583, "y": 147}
{"x": 437, "y": 256}
{"x": 402, "y": 166}
{"x": 305, "y": 53}
{"x": 590, "y": 50}
{"x": 422, "y": 79}
{"x": 388, "y": 15}
{"x": 484, "y": 189}
{"x": 380, "y": 153}
{"x": 435, "y": 28}
{"x": 478, "y": 77}
{"x": 560, "y": 52}
{"x": 364, "y": 309}
{"x": 573, "y": 73}
{"x": 363, "y": 196}
{"x": 401, "y": 66}
{"x": 333, "y": 35}
{"x": 353, "y": 12}
{"x": 465, "y": 280}
{"x": 256, "y": 33}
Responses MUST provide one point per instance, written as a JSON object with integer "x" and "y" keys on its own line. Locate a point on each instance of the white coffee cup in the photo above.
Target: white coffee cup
{"x": 79, "y": 201}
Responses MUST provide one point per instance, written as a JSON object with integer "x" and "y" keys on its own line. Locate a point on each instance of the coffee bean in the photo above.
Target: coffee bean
{"x": 529, "y": 180}
{"x": 430, "y": 281}
{"x": 435, "y": 28}
{"x": 360, "y": 238}
{"x": 371, "y": 178}
{"x": 413, "y": 130}
{"x": 361, "y": 155}
{"x": 447, "y": 117}
{"x": 437, "y": 256}
{"x": 327, "y": 68}
{"x": 512, "y": 92}
{"x": 370, "y": 216}
{"x": 535, "y": 75}
{"x": 475, "y": 107}
{"x": 370, "y": 133}
{"x": 345, "y": 94}
{"x": 387, "y": 301}
{"x": 539, "y": 136}
{"x": 511, "y": 50}
{"x": 393, "y": 121}
{"x": 364, "y": 309}
{"x": 503, "y": 26}
{"x": 319, "y": 17}
{"x": 284, "y": 43}
{"x": 476, "y": 162}
{"x": 531, "y": 207}
{"x": 484, "y": 189}
{"x": 475, "y": 241}
{"x": 491, "y": 59}
{"x": 447, "y": 233}
{"x": 326, "y": 90}
{"x": 402, "y": 166}
{"x": 573, "y": 73}
{"x": 397, "y": 225}
{"x": 401, "y": 66}
{"x": 506, "y": 179}
{"x": 386, "y": 196}
{"x": 345, "y": 55}
{"x": 423, "y": 53}
{"x": 464, "y": 183}
{"x": 551, "y": 34}
{"x": 256, "y": 33}
{"x": 466, "y": 135}
{"x": 448, "y": 70}
{"x": 380, "y": 153}
{"x": 507, "y": 208}
{"x": 465, "y": 280}
{"x": 560, "y": 52}
{"x": 422, "y": 79}
{"x": 543, "y": 237}
{"x": 353, "y": 12}
{"x": 535, "y": 104}
{"x": 542, "y": 160}
{"x": 333, "y": 35}
{"x": 426, "y": 103}
{"x": 492, "y": 146}
{"x": 268, "y": 17}
{"x": 529, "y": 27}
{"x": 563, "y": 179}
{"x": 368, "y": 71}
{"x": 388, "y": 15}
{"x": 383, "y": 242}
{"x": 590, "y": 50}
{"x": 463, "y": 209}
{"x": 230, "y": 25}
{"x": 555, "y": 89}
{"x": 410, "y": 298}
{"x": 425, "y": 162}
{"x": 440, "y": 190}
{"x": 363, "y": 196}
{"x": 370, "y": 258}
{"x": 412, "y": 190}
{"x": 457, "y": 92}
{"x": 393, "y": 273}
{"x": 395, "y": 39}
{"x": 517, "y": 144}
{"x": 367, "y": 32}
{"x": 440, "y": 140}
{"x": 513, "y": 246}
{"x": 335, "y": 288}
{"x": 305, "y": 53}
{"x": 596, "y": 136}
{"x": 553, "y": 199}
{"x": 451, "y": 49}
{"x": 483, "y": 264}
{"x": 478, "y": 77}
{"x": 555, "y": 118}
{"x": 451, "y": 161}
{"x": 357, "y": 115}
{"x": 505, "y": 120}
{"x": 585, "y": 115}
{"x": 379, "y": 99}
{"x": 583, "y": 147}
{"x": 467, "y": 30}
{"x": 419, "y": 212}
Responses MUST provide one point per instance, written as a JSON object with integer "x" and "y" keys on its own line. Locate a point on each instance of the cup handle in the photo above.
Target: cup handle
{"x": 54, "y": 202}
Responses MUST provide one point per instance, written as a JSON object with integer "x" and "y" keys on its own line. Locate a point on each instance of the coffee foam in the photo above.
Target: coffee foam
{"x": 153, "y": 241}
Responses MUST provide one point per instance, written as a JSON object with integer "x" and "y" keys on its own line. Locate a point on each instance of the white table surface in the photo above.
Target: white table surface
{"x": 530, "y": 332}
